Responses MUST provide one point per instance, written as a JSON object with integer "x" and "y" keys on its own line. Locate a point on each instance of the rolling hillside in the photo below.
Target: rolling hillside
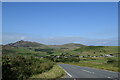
{"x": 27, "y": 47}
{"x": 97, "y": 50}
{"x": 38, "y": 49}
{"x": 67, "y": 46}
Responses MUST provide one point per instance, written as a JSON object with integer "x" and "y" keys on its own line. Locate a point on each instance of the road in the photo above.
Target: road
{"x": 86, "y": 72}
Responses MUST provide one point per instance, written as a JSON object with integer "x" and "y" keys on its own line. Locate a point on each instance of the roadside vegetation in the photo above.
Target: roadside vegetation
{"x": 21, "y": 68}
{"x": 54, "y": 73}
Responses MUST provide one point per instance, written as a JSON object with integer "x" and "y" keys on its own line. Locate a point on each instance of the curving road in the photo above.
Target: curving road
{"x": 78, "y": 72}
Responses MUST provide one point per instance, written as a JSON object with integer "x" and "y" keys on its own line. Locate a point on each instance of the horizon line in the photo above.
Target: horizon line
{"x": 55, "y": 44}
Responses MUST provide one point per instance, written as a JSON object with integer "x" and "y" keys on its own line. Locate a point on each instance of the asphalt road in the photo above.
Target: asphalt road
{"x": 86, "y": 72}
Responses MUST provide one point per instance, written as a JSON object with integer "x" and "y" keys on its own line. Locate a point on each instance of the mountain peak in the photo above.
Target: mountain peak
{"x": 23, "y": 43}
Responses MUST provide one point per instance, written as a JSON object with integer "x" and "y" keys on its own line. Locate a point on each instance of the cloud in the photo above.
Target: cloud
{"x": 104, "y": 42}
{"x": 23, "y": 37}
{"x": 10, "y": 37}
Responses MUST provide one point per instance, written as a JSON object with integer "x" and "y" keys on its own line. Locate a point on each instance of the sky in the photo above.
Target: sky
{"x": 56, "y": 23}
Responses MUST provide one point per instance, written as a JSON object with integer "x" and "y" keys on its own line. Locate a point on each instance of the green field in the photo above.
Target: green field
{"x": 97, "y": 50}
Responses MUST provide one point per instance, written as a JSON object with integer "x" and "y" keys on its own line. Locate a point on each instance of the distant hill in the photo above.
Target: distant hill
{"x": 38, "y": 49}
{"x": 67, "y": 46}
{"x": 74, "y": 44}
{"x": 97, "y": 50}
{"x": 28, "y": 47}
{"x": 24, "y": 44}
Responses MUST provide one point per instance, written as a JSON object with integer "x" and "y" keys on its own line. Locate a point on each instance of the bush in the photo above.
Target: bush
{"x": 21, "y": 68}
{"x": 111, "y": 60}
{"x": 69, "y": 59}
{"x": 114, "y": 62}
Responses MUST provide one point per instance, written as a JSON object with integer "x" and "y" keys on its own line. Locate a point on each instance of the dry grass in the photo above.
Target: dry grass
{"x": 55, "y": 72}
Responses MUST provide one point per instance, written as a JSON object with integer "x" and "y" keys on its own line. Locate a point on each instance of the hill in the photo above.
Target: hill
{"x": 97, "y": 50}
{"x": 38, "y": 49}
{"x": 67, "y": 46}
{"x": 73, "y": 45}
{"x": 34, "y": 48}
{"x": 21, "y": 47}
{"x": 24, "y": 44}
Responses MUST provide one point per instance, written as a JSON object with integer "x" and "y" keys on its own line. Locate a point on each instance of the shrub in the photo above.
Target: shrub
{"x": 21, "y": 68}
{"x": 110, "y": 60}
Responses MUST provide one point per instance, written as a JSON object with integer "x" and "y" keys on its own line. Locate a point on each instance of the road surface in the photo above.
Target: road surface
{"x": 86, "y": 72}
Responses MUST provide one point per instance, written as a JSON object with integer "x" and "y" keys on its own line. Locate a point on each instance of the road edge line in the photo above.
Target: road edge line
{"x": 65, "y": 71}
{"x": 103, "y": 70}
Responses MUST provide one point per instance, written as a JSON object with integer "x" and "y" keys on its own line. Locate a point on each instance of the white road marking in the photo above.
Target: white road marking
{"x": 101, "y": 70}
{"x": 74, "y": 79}
{"x": 66, "y": 72}
{"x": 108, "y": 77}
{"x": 88, "y": 71}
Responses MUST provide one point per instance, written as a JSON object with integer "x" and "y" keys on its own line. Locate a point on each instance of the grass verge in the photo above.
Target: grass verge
{"x": 108, "y": 67}
{"x": 54, "y": 73}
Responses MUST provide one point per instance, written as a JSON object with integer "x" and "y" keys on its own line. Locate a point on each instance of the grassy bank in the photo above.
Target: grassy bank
{"x": 98, "y": 63}
{"x": 55, "y": 72}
